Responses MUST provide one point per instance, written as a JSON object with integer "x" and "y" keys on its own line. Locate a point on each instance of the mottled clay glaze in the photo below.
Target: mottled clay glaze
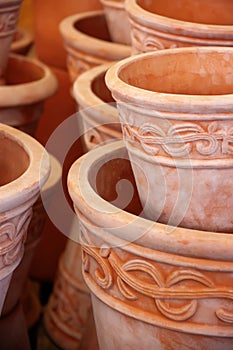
{"x": 88, "y": 44}
{"x": 176, "y": 112}
{"x": 9, "y": 13}
{"x": 97, "y": 109}
{"x": 152, "y": 286}
{"x": 22, "y": 41}
{"x": 117, "y": 21}
{"x": 166, "y": 24}
{"x": 27, "y": 84}
{"x": 24, "y": 168}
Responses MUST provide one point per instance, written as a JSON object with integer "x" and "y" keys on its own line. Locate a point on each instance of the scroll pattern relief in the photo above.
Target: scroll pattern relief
{"x": 173, "y": 296}
{"x": 76, "y": 66}
{"x": 8, "y": 22}
{"x": 12, "y": 237}
{"x": 143, "y": 42}
{"x": 182, "y": 139}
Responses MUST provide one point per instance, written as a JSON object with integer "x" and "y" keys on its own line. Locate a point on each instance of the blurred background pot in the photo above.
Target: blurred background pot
{"x": 9, "y": 13}
{"x": 27, "y": 84}
{"x": 173, "y": 287}
{"x": 160, "y": 25}
{"x": 177, "y": 125}
{"x": 88, "y": 43}
{"x": 117, "y": 20}
{"x": 22, "y": 41}
{"x": 97, "y": 109}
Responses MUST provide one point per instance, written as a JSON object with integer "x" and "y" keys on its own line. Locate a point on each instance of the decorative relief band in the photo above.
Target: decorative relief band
{"x": 137, "y": 282}
{"x": 8, "y": 22}
{"x": 181, "y": 140}
{"x": 12, "y": 237}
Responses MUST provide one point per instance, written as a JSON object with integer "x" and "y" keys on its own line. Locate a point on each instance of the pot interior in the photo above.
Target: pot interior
{"x": 195, "y": 72}
{"x": 119, "y": 188}
{"x": 94, "y": 26}
{"x": 100, "y": 89}
{"x": 14, "y": 160}
{"x": 21, "y": 71}
{"x": 218, "y": 12}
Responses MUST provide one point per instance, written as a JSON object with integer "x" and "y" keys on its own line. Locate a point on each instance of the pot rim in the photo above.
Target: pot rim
{"x": 27, "y": 185}
{"x": 84, "y": 42}
{"x": 175, "y": 26}
{"x": 166, "y": 102}
{"x": 87, "y": 99}
{"x": 118, "y": 5}
{"x": 25, "y": 40}
{"x": 32, "y": 92}
{"x": 123, "y": 225}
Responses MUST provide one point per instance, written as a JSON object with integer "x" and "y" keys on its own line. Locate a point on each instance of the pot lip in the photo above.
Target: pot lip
{"x": 27, "y": 185}
{"x": 25, "y": 40}
{"x": 146, "y": 99}
{"x": 32, "y": 92}
{"x": 175, "y": 26}
{"x": 146, "y": 233}
{"x": 109, "y": 50}
{"x": 114, "y": 4}
{"x": 88, "y": 100}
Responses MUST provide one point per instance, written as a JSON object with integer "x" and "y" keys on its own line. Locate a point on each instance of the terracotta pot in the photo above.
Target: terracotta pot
{"x": 88, "y": 44}
{"x": 165, "y": 24}
{"x": 9, "y": 12}
{"x": 27, "y": 84}
{"x": 47, "y": 16}
{"x": 35, "y": 230}
{"x": 177, "y": 126}
{"x": 22, "y": 42}
{"x": 24, "y": 168}
{"x": 97, "y": 109}
{"x": 69, "y": 306}
{"x": 149, "y": 288}
{"x": 117, "y": 20}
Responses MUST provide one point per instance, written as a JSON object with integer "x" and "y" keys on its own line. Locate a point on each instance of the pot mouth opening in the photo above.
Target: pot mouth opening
{"x": 94, "y": 26}
{"x": 22, "y": 71}
{"x": 14, "y": 160}
{"x": 215, "y": 12}
{"x": 196, "y": 72}
{"x": 100, "y": 89}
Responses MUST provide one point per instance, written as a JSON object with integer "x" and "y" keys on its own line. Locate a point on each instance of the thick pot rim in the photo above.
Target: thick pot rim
{"x": 165, "y": 102}
{"x": 124, "y": 226}
{"x": 27, "y": 185}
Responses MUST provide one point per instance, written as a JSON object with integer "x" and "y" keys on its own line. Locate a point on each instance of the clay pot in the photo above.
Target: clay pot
{"x": 117, "y": 20}
{"x": 88, "y": 44}
{"x": 149, "y": 288}
{"x": 47, "y": 16}
{"x": 22, "y": 42}
{"x": 24, "y": 169}
{"x": 35, "y": 230}
{"x": 27, "y": 84}
{"x": 165, "y": 24}
{"x": 177, "y": 128}
{"x": 97, "y": 109}
{"x": 9, "y": 12}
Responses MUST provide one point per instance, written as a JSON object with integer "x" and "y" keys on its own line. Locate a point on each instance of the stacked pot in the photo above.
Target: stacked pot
{"x": 155, "y": 211}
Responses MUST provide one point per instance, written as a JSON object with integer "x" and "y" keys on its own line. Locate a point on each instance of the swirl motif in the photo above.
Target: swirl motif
{"x": 174, "y": 297}
{"x": 180, "y": 139}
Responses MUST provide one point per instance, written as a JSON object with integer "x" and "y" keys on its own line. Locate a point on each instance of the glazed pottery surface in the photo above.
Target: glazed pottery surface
{"x": 24, "y": 169}
{"x": 152, "y": 284}
{"x": 88, "y": 44}
{"x": 177, "y": 125}
{"x": 27, "y": 84}
{"x": 9, "y": 12}
{"x": 97, "y": 109}
{"x": 117, "y": 20}
{"x": 168, "y": 24}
